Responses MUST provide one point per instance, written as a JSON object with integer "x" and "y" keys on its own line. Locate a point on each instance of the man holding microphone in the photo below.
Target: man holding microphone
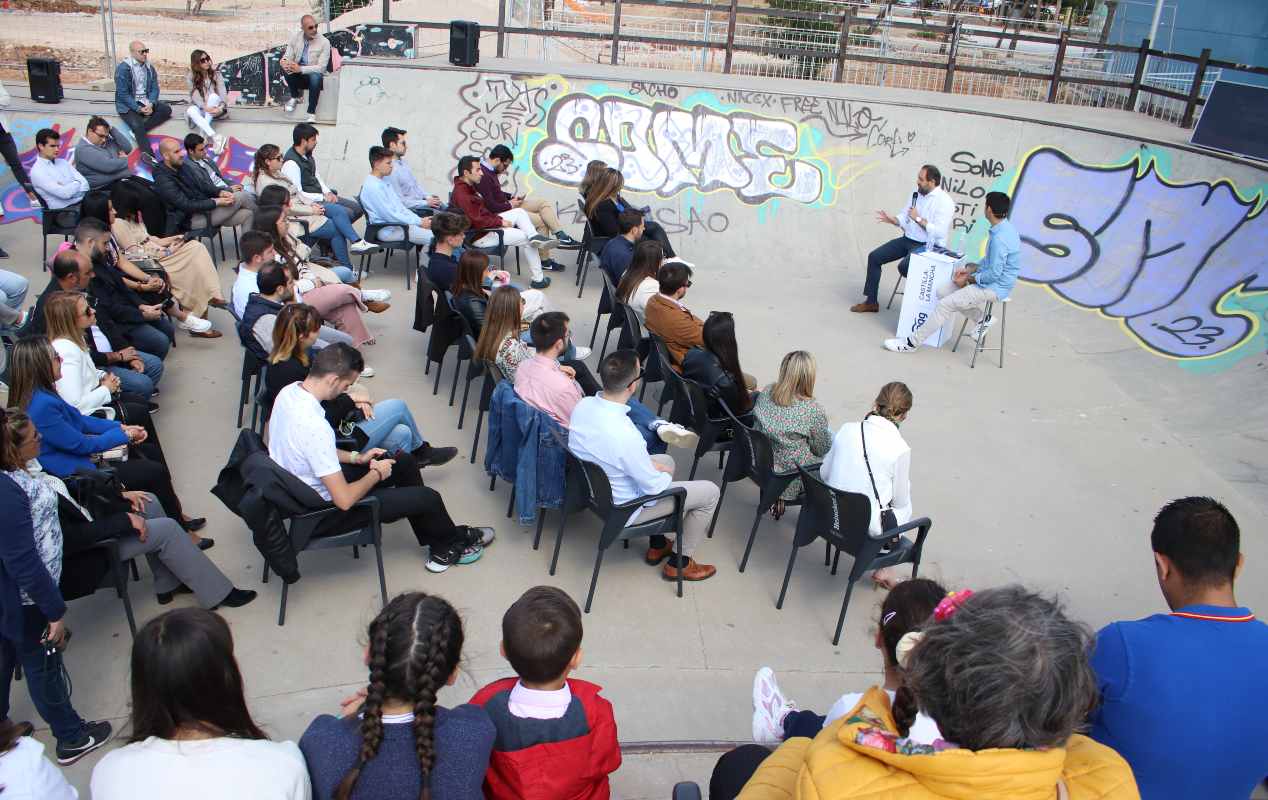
{"x": 926, "y": 220}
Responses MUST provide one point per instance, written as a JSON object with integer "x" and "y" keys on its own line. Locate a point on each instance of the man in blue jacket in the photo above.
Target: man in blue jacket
{"x": 136, "y": 97}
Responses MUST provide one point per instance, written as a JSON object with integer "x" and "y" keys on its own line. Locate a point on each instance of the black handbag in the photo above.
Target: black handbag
{"x": 98, "y": 491}
{"x": 889, "y": 520}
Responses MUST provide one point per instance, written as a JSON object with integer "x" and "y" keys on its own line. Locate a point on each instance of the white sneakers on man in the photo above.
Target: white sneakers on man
{"x": 362, "y": 246}
{"x": 899, "y": 346}
{"x": 193, "y": 324}
{"x": 583, "y": 352}
{"x": 376, "y": 296}
{"x": 979, "y": 331}
{"x": 368, "y": 372}
{"x": 218, "y": 143}
{"x": 676, "y": 435}
{"x": 290, "y": 105}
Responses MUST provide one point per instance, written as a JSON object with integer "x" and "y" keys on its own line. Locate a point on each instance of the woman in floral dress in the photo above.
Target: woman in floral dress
{"x": 795, "y": 422}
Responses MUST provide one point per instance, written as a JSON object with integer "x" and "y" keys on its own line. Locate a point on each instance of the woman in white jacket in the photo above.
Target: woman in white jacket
{"x": 208, "y": 100}
{"x": 67, "y": 315}
{"x": 887, "y": 455}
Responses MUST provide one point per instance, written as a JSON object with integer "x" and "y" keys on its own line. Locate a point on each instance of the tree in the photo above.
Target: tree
{"x": 819, "y": 35}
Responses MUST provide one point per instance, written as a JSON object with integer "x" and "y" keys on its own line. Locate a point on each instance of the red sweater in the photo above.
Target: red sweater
{"x": 559, "y": 759}
{"x": 471, "y": 202}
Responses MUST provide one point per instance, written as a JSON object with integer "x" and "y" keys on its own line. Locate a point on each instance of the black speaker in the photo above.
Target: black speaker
{"x": 464, "y": 43}
{"x": 45, "y": 76}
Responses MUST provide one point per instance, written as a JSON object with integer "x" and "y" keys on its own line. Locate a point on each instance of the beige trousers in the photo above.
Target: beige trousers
{"x": 543, "y": 215}
{"x": 968, "y": 301}
{"x": 702, "y": 499}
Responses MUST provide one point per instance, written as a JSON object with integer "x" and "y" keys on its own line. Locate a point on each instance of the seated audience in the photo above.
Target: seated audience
{"x": 204, "y": 168}
{"x": 543, "y": 381}
{"x": 556, "y": 735}
{"x": 69, "y": 438}
{"x": 594, "y": 170}
{"x": 471, "y": 291}
{"x": 33, "y": 630}
{"x": 192, "y": 734}
{"x": 387, "y": 424}
{"x": 303, "y": 62}
{"x": 101, "y": 156}
{"x": 617, "y": 254}
{"x": 601, "y": 431}
{"x": 191, "y": 272}
{"x": 604, "y": 205}
{"x": 208, "y": 98}
{"x": 54, "y": 178}
{"x": 302, "y": 442}
{"x": 1004, "y": 675}
{"x": 135, "y": 519}
{"x": 329, "y": 222}
{"x": 257, "y": 251}
{"x": 401, "y": 744}
{"x": 384, "y": 207}
{"x": 24, "y": 769}
{"x": 639, "y": 283}
{"x": 68, "y": 315}
{"x": 13, "y": 289}
{"x": 541, "y": 212}
{"x": 300, "y": 168}
{"x": 136, "y": 97}
{"x": 193, "y": 205}
{"x": 274, "y": 289}
{"x": 669, "y": 319}
{"x": 794, "y": 421}
{"x": 401, "y": 178}
{"x": 450, "y": 231}
{"x": 501, "y": 337}
{"x": 293, "y": 232}
{"x": 908, "y": 607}
{"x": 519, "y": 231}
{"x": 871, "y": 458}
{"x": 1149, "y": 670}
{"x": 716, "y": 367}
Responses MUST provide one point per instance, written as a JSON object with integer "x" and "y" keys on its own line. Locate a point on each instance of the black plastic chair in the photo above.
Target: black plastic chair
{"x": 691, "y": 408}
{"x": 632, "y": 336}
{"x": 589, "y": 488}
{"x": 475, "y": 369}
{"x": 755, "y": 456}
{"x": 368, "y": 532}
{"x": 466, "y": 348}
{"x": 591, "y": 245}
{"x": 687, "y": 790}
{"x": 60, "y": 222}
{"x": 843, "y": 520}
{"x": 252, "y": 370}
{"x": 372, "y": 235}
{"x": 492, "y": 374}
{"x": 608, "y": 304}
{"x": 117, "y": 576}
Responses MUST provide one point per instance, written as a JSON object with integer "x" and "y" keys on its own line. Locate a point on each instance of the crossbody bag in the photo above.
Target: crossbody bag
{"x": 889, "y": 520}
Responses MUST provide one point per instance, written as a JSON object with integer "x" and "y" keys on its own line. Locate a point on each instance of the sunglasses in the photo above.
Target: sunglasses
{"x": 310, "y": 27}
{"x": 146, "y": 50}
{"x": 205, "y": 59}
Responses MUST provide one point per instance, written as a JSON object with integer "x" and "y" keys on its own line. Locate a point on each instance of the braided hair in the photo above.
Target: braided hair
{"x": 415, "y": 644}
{"x": 907, "y": 607}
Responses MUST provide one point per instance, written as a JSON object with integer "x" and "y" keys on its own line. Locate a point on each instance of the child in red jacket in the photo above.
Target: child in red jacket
{"x": 556, "y": 737}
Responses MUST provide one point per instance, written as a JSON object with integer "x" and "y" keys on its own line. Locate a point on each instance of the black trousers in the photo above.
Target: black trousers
{"x": 9, "y": 149}
{"x": 734, "y": 769}
{"x": 147, "y": 474}
{"x": 653, "y": 231}
{"x": 153, "y": 211}
{"x": 585, "y": 378}
{"x": 402, "y": 496}
{"x": 141, "y": 125}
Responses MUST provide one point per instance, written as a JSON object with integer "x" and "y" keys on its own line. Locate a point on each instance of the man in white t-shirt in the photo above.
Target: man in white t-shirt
{"x": 257, "y": 250}
{"x": 302, "y": 442}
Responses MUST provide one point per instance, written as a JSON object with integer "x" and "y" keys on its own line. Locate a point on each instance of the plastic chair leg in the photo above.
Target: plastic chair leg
{"x": 718, "y": 508}
{"x": 453, "y": 390}
{"x": 595, "y": 330}
{"x": 541, "y": 523}
{"x": 475, "y": 442}
{"x": 845, "y": 604}
{"x": 462, "y": 413}
{"x": 559, "y": 540}
{"x": 752, "y": 536}
{"x": 604, "y": 351}
{"x": 510, "y": 505}
{"x": 378, "y": 555}
{"x": 281, "y": 611}
{"x": 440, "y": 367}
{"x": 136, "y": 574}
{"x": 265, "y": 572}
{"x": 783, "y": 590}
{"x": 594, "y": 579}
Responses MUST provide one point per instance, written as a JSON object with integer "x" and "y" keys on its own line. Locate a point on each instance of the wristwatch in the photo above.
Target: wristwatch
{"x": 356, "y": 456}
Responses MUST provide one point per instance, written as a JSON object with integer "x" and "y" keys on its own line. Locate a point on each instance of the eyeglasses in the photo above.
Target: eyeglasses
{"x": 637, "y": 378}
{"x": 310, "y": 27}
{"x": 688, "y": 283}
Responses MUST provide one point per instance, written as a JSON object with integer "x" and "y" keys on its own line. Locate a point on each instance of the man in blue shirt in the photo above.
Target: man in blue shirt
{"x": 617, "y": 254}
{"x": 1183, "y": 694}
{"x": 383, "y": 205}
{"x": 973, "y": 286}
{"x": 411, "y": 192}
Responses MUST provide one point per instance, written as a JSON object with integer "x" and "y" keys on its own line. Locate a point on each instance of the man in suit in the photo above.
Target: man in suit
{"x": 669, "y": 319}
{"x": 190, "y": 206}
{"x": 200, "y": 169}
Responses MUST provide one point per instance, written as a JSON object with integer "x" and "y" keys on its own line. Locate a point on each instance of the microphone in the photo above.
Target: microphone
{"x": 914, "y": 195}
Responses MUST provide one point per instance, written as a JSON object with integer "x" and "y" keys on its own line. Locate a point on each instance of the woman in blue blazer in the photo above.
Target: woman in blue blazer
{"x": 71, "y": 438}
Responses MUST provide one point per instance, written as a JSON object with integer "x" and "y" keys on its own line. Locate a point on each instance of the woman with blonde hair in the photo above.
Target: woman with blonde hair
{"x": 604, "y": 205}
{"x": 208, "y": 100}
{"x": 795, "y": 422}
{"x": 66, "y": 315}
{"x": 871, "y": 458}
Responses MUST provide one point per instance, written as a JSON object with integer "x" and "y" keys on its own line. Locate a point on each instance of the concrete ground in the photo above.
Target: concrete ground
{"x": 1046, "y": 472}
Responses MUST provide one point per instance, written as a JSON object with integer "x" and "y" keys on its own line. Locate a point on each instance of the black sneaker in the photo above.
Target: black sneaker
{"x": 551, "y": 265}
{"x": 428, "y": 456}
{"x": 566, "y": 240}
{"x": 4, "y": 253}
{"x": 478, "y": 536}
{"x": 459, "y": 552}
{"x": 95, "y": 735}
{"x": 542, "y": 284}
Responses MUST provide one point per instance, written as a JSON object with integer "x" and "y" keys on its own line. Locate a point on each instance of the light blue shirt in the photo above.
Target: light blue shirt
{"x": 383, "y": 205}
{"x": 998, "y": 271}
{"x": 407, "y": 187}
{"x": 601, "y": 432}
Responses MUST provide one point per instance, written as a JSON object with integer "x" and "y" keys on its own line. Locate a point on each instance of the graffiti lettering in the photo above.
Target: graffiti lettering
{"x": 654, "y": 90}
{"x": 1170, "y": 260}
{"x": 794, "y": 104}
{"x": 499, "y": 110}
{"x": 964, "y": 162}
{"x": 851, "y": 122}
{"x": 675, "y": 223}
{"x": 742, "y": 98}
{"x": 664, "y": 149}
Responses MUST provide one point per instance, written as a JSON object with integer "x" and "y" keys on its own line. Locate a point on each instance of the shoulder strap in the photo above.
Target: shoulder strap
{"x": 866, "y": 463}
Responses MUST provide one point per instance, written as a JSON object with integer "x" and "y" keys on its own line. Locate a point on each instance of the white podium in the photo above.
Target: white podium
{"x": 926, "y": 271}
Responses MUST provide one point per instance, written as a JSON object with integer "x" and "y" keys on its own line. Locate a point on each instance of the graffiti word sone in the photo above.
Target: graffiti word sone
{"x": 965, "y": 163}
{"x": 966, "y": 186}
{"x": 664, "y": 149}
{"x": 1160, "y": 256}
{"x": 499, "y": 109}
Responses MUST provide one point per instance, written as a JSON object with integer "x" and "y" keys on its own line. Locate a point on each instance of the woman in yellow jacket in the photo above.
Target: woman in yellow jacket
{"x": 1005, "y": 675}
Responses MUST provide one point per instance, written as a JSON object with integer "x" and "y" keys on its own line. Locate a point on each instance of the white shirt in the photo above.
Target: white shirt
{"x": 301, "y": 441}
{"x": 528, "y": 703}
{"x": 58, "y": 182}
{"x": 291, "y": 170}
{"x": 207, "y": 769}
{"x": 80, "y": 384}
{"x": 601, "y": 432}
{"x": 646, "y": 290}
{"x": 26, "y": 774}
{"x": 843, "y": 467}
{"x": 937, "y": 209}
{"x": 246, "y": 284}
{"x": 923, "y": 729}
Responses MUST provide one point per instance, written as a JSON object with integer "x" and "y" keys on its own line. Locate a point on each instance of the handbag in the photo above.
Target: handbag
{"x": 889, "y": 520}
{"x": 98, "y": 491}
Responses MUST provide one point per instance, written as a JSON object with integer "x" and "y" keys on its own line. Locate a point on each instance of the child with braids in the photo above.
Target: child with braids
{"x": 402, "y": 745}
{"x": 556, "y": 737}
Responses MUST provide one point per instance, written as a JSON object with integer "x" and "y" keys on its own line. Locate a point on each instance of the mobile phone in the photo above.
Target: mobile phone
{"x": 168, "y": 303}
{"x": 397, "y": 455}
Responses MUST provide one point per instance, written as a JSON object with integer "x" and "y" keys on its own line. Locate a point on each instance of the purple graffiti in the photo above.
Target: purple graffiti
{"x": 1159, "y": 255}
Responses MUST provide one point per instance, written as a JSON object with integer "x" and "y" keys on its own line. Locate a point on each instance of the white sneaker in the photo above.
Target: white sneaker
{"x": 583, "y": 352}
{"x": 368, "y": 372}
{"x": 311, "y": 118}
{"x": 769, "y": 708}
{"x": 677, "y": 436}
{"x": 979, "y": 332}
{"x": 194, "y": 324}
{"x": 539, "y": 242}
{"x": 362, "y": 246}
{"x": 376, "y": 295}
{"x": 899, "y": 346}
{"x": 290, "y": 105}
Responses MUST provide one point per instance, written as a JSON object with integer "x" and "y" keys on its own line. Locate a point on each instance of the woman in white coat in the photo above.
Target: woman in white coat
{"x": 888, "y": 455}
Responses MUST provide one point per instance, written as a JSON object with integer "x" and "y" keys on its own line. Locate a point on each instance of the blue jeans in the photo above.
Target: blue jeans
{"x": 642, "y": 416}
{"x": 143, "y": 382}
{"x": 298, "y": 82}
{"x": 344, "y": 273}
{"x": 393, "y": 428}
{"x": 339, "y": 232}
{"x": 43, "y": 677}
{"x": 13, "y": 289}
{"x": 155, "y": 337}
